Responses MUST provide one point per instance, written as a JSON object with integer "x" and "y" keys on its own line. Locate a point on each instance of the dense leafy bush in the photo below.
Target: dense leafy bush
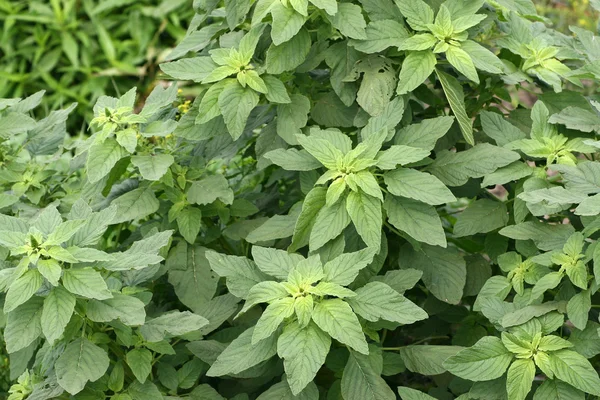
{"x": 80, "y": 50}
{"x": 368, "y": 199}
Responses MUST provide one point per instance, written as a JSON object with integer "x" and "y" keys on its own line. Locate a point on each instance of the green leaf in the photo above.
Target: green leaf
{"x": 7, "y": 200}
{"x": 486, "y": 360}
{"x": 81, "y": 362}
{"x": 426, "y": 359}
{"x": 281, "y": 391}
{"x": 330, "y": 6}
{"x": 48, "y": 220}
{"x": 399, "y": 154}
{"x": 13, "y": 224}
{"x": 189, "y": 221}
{"x": 425, "y": 134}
{"x": 416, "y": 68}
{"x": 587, "y": 341}
{"x": 329, "y": 111}
{"x": 400, "y": 280}
{"x": 521, "y": 316}
{"x": 553, "y": 389}
{"x": 366, "y": 181}
{"x": 236, "y": 11}
{"x": 418, "y": 14}
{"x": 574, "y": 369}
{"x": 241, "y": 354}
{"x": 303, "y": 307}
{"x": 300, "y": 6}
{"x": 519, "y": 379}
{"x": 381, "y": 34}
{"x": 289, "y": 55}
{"x": 303, "y": 350}
{"x": 350, "y": 21}
{"x": 293, "y": 159}
{"x": 545, "y": 236}
{"x": 248, "y": 43}
{"x": 335, "y": 317}
{"x": 423, "y": 41}
{"x": 50, "y": 269}
{"x": 455, "y": 169}
{"x": 63, "y": 232}
{"x": 153, "y": 167}
{"x": 276, "y": 90}
{"x": 276, "y": 227}
{"x": 553, "y": 343}
{"x": 86, "y": 282}
{"x": 589, "y": 206}
{"x": 512, "y": 172}
{"x": 205, "y": 392}
{"x": 286, "y": 23}
{"x": 344, "y": 269}
{"x": 418, "y": 186}
{"x": 552, "y": 196}
{"x": 578, "y": 309}
{"x": 461, "y": 60}
{"x": 102, "y": 157}
{"x": 313, "y": 202}
{"x": 220, "y": 73}
{"x": 12, "y": 123}
{"x": 94, "y": 227}
{"x": 482, "y": 58}
{"x": 274, "y": 262}
{"x": 22, "y": 289}
{"x": 264, "y": 292}
{"x": 377, "y": 85}
{"x": 419, "y": 220}
{"x": 141, "y": 254}
{"x": 292, "y": 117}
{"x": 498, "y": 128}
{"x": 242, "y": 274}
{"x": 321, "y": 149}
{"x": 577, "y": 118}
{"x": 140, "y": 362}
{"x": 362, "y": 377}
{"x": 341, "y": 59}
{"x": 194, "y": 69}
{"x": 456, "y": 98}
{"x": 174, "y": 323}
{"x": 481, "y": 216}
{"x": 191, "y": 275}
{"x": 58, "y": 309}
{"x": 329, "y": 224}
{"x": 137, "y": 204}
{"x": 376, "y": 301}
{"x": 236, "y": 103}
{"x": 365, "y": 212}
{"x": 130, "y": 310}
{"x": 412, "y": 394}
{"x": 144, "y": 391}
{"x": 444, "y": 270}
{"x": 23, "y": 325}
{"x": 209, "y": 105}
{"x": 209, "y": 189}
{"x": 272, "y": 317}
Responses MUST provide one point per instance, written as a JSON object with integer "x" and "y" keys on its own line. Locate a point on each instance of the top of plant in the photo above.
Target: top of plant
{"x": 366, "y": 199}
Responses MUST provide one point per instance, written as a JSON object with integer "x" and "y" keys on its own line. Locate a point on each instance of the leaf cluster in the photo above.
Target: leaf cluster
{"x": 367, "y": 199}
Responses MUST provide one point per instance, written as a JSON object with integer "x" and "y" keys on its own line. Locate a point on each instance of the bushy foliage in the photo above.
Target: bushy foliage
{"x": 369, "y": 199}
{"x": 80, "y": 50}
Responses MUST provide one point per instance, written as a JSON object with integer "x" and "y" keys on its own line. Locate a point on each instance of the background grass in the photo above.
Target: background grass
{"x": 77, "y": 50}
